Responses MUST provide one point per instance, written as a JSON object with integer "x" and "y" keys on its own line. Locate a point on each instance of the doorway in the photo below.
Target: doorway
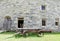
{"x": 7, "y": 23}
{"x": 20, "y": 22}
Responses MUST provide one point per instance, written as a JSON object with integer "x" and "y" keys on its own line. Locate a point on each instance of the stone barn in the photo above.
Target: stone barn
{"x": 30, "y": 14}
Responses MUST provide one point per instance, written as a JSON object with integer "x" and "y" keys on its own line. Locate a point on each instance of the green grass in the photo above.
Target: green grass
{"x": 10, "y": 36}
{"x": 7, "y": 32}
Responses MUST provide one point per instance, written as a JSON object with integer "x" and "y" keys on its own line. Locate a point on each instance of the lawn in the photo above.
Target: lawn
{"x": 10, "y": 36}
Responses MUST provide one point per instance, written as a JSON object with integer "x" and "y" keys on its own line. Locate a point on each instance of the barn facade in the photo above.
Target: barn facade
{"x": 30, "y": 14}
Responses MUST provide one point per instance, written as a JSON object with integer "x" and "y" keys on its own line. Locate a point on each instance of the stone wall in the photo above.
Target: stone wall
{"x": 32, "y": 13}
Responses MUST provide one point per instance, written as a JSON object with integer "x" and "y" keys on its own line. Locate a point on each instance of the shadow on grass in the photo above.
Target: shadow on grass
{"x": 7, "y": 32}
{"x": 29, "y": 35}
{"x": 53, "y": 33}
{"x": 20, "y": 36}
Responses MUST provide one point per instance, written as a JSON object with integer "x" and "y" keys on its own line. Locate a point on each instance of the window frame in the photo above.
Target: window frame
{"x": 43, "y": 21}
{"x": 56, "y": 21}
{"x": 43, "y": 7}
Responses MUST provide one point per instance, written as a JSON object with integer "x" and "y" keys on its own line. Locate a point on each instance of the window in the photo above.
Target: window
{"x": 43, "y": 22}
{"x": 43, "y": 7}
{"x": 57, "y": 21}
